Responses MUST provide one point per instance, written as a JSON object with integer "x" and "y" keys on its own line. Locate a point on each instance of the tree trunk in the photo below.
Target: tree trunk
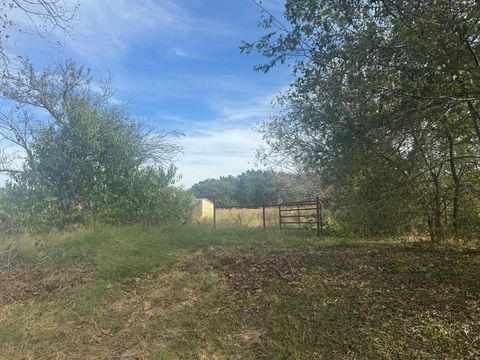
{"x": 438, "y": 233}
{"x": 475, "y": 118}
{"x": 456, "y": 183}
{"x": 435, "y": 207}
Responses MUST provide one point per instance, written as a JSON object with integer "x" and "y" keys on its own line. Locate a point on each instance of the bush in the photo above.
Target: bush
{"x": 151, "y": 200}
{"x": 87, "y": 159}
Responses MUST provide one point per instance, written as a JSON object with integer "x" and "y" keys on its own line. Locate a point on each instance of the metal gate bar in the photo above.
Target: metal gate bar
{"x": 300, "y": 219}
{"x": 286, "y": 219}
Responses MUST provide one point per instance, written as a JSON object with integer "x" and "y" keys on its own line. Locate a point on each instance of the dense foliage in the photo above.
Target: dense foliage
{"x": 385, "y": 106}
{"x": 257, "y": 187}
{"x": 82, "y": 157}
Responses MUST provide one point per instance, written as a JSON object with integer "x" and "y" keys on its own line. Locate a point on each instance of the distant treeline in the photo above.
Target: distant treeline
{"x": 256, "y": 187}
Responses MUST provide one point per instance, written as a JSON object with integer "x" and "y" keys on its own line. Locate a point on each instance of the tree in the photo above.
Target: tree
{"x": 385, "y": 106}
{"x": 221, "y": 191}
{"x": 41, "y": 16}
{"x": 257, "y": 187}
{"x": 80, "y": 154}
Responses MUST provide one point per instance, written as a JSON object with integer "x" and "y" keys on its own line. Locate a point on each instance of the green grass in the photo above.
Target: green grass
{"x": 121, "y": 252}
{"x": 193, "y": 292}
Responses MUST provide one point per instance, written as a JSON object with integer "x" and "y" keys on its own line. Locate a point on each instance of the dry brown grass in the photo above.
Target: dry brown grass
{"x": 247, "y": 217}
{"x": 145, "y": 313}
{"x": 254, "y": 217}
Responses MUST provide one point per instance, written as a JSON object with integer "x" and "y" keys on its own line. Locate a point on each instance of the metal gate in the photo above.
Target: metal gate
{"x": 301, "y": 215}
{"x": 305, "y": 214}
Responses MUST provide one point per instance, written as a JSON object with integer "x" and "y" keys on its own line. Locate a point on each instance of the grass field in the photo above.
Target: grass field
{"x": 196, "y": 293}
{"x": 247, "y": 217}
{"x": 253, "y": 218}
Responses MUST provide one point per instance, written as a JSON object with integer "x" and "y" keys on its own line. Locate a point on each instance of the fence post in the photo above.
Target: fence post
{"x": 321, "y": 215}
{"x": 263, "y": 211}
{"x": 318, "y": 216}
{"x": 280, "y": 216}
{"x": 214, "y": 215}
{"x": 298, "y": 217}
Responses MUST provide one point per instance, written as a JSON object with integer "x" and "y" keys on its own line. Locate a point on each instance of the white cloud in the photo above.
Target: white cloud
{"x": 248, "y": 111}
{"x": 227, "y": 114}
{"x": 110, "y": 27}
{"x": 211, "y": 154}
{"x": 181, "y": 53}
{"x": 226, "y": 145}
{"x": 219, "y": 136}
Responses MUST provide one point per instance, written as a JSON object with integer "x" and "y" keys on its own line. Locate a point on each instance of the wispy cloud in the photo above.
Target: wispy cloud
{"x": 177, "y": 62}
{"x": 247, "y": 111}
{"x": 111, "y": 27}
{"x": 184, "y": 54}
{"x": 225, "y": 113}
{"x": 212, "y": 153}
{"x": 225, "y": 144}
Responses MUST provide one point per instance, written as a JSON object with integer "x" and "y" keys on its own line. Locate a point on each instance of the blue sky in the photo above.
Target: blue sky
{"x": 178, "y": 64}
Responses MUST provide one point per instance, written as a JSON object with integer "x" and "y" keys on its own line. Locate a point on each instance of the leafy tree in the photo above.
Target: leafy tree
{"x": 221, "y": 191}
{"x": 151, "y": 199}
{"x": 82, "y": 156}
{"x": 385, "y": 107}
{"x": 257, "y": 187}
{"x": 260, "y": 187}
